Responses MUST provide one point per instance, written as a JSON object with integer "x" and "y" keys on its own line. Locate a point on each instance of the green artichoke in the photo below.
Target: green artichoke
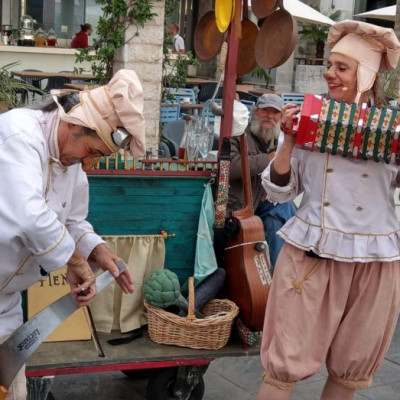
{"x": 162, "y": 289}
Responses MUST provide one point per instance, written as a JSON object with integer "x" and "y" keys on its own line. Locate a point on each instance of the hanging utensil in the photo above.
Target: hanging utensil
{"x": 276, "y": 39}
{"x": 262, "y": 8}
{"x": 207, "y": 38}
{"x": 247, "y": 44}
{"x": 236, "y": 19}
{"x": 224, "y": 12}
{"x": 215, "y": 108}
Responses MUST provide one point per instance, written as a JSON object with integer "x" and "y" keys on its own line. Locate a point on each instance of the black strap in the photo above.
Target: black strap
{"x": 221, "y": 202}
{"x": 225, "y": 153}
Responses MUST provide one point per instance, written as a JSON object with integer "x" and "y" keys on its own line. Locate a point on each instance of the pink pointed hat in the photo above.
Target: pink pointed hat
{"x": 374, "y": 48}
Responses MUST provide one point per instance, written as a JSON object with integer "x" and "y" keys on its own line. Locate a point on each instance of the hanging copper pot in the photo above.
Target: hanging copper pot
{"x": 207, "y": 38}
{"x": 276, "y": 39}
{"x": 262, "y": 8}
{"x": 247, "y": 44}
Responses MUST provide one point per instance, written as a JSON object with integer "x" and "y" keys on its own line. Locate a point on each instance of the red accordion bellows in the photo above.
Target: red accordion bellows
{"x": 369, "y": 133}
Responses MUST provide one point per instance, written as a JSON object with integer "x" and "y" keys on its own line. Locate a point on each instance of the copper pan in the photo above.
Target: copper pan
{"x": 247, "y": 45}
{"x": 276, "y": 39}
{"x": 262, "y": 8}
{"x": 207, "y": 38}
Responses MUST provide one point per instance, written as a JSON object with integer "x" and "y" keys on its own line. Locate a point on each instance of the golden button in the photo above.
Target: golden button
{"x": 359, "y": 208}
{"x": 326, "y": 203}
{"x": 329, "y": 170}
{"x": 365, "y": 175}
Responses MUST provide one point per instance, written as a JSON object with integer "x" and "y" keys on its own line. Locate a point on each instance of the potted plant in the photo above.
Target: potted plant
{"x": 175, "y": 68}
{"x": 12, "y": 90}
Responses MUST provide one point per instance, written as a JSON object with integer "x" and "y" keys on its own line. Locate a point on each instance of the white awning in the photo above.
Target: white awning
{"x": 388, "y": 13}
{"x": 304, "y": 13}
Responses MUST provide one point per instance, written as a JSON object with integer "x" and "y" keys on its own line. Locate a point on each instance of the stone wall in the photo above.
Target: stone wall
{"x": 310, "y": 79}
{"x": 284, "y": 76}
{"x": 144, "y": 54}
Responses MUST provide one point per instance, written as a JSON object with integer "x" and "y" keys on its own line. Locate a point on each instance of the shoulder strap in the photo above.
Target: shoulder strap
{"x": 223, "y": 183}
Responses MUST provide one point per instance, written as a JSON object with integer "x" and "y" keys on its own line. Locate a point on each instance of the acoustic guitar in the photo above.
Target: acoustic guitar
{"x": 247, "y": 257}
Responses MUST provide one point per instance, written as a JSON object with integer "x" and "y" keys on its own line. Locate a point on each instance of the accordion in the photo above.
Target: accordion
{"x": 368, "y": 133}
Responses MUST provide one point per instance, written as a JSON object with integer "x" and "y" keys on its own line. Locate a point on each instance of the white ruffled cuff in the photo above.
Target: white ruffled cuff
{"x": 279, "y": 194}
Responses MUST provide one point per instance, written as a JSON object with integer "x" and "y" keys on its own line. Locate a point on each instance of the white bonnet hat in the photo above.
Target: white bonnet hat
{"x": 116, "y": 104}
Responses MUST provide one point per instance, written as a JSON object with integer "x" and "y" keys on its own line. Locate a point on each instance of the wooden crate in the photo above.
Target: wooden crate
{"x": 45, "y": 292}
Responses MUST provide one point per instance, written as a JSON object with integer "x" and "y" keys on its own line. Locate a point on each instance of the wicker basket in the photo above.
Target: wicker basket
{"x": 209, "y": 333}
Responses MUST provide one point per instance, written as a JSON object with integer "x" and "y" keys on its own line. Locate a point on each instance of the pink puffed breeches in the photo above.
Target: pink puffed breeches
{"x": 324, "y": 310}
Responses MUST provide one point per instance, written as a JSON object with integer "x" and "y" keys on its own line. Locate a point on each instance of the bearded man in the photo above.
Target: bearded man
{"x": 262, "y": 140}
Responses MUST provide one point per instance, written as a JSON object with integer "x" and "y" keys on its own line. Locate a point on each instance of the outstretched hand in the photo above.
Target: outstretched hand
{"x": 107, "y": 260}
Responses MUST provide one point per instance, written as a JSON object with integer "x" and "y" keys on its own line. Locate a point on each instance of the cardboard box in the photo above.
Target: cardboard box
{"x": 41, "y": 294}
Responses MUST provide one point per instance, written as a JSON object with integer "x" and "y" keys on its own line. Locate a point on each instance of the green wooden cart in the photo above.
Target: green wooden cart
{"x": 153, "y": 197}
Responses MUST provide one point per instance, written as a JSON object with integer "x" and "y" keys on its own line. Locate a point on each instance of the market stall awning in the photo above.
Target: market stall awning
{"x": 388, "y": 13}
{"x": 304, "y": 13}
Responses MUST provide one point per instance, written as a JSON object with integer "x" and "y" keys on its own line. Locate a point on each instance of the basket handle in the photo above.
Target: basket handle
{"x": 192, "y": 312}
{"x": 191, "y": 315}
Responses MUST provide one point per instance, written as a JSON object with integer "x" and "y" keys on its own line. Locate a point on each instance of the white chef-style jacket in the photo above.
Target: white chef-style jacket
{"x": 43, "y": 207}
{"x": 347, "y": 211}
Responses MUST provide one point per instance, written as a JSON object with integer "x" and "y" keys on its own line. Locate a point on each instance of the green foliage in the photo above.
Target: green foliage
{"x": 178, "y": 68}
{"x": 388, "y": 84}
{"x": 318, "y": 34}
{"x": 261, "y": 73}
{"x": 171, "y": 6}
{"x": 118, "y": 16}
{"x": 10, "y": 87}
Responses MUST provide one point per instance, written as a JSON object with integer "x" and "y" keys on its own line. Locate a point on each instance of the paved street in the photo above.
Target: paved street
{"x": 226, "y": 378}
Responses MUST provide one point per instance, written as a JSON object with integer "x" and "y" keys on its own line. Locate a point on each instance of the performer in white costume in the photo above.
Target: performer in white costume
{"x": 335, "y": 295}
{"x": 44, "y": 193}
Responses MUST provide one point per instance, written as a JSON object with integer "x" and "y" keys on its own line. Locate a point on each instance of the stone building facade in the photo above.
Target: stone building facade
{"x": 144, "y": 54}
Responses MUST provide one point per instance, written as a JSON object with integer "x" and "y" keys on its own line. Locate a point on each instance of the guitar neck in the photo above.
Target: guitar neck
{"x": 247, "y": 210}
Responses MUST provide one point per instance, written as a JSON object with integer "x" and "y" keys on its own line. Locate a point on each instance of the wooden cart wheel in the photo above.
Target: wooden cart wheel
{"x": 159, "y": 387}
{"x": 144, "y": 373}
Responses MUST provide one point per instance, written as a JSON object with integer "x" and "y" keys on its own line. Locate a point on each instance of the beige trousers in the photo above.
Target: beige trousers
{"x": 324, "y": 310}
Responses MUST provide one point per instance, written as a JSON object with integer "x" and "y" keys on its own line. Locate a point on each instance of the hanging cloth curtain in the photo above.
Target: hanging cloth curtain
{"x": 114, "y": 310}
{"x": 205, "y": 261}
